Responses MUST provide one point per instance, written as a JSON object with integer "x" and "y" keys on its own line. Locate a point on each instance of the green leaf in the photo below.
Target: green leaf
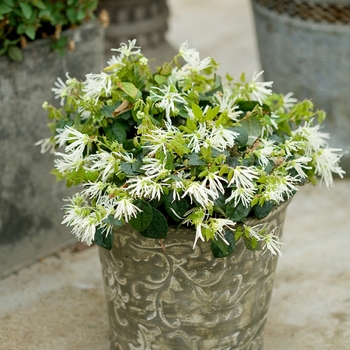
{"x": 127, "y": 168}
{"x": 166, "y": 68}
{"x": 3, "y": 51}
{"x": 91, "y": 176}
{"x": 39, "y": 4}
{"x": 220, "y": 205}
{"x": 232, "y": 162}
{"x": 71, "y": 15}
{"x": 269, "y": 167}
{"x": 5, "y": 8}
{"x": 249, "y": 160}
{"x": 253, "y": 129}
{"x": 251, "y": 243}
{"x": 143, "y": 218}
{"x": 30, "y": 31}
{"x": 242, "y": 137}
{"x": 237, "y": 213}
{"x": 160, "y": 79}
{"x": 60, "y": 45}
{"x": 108, "y": 110}
{"x": 155, "y": 202}
{"x": 247, "y": 106}
{"x": 21, "y": 28}
{"x": 264, "y": 210}
{"x": 75, "y": 177}
{"x": 198, "y": 113}
{"x": 158, "y": 228}
{"x": 177, "y": 208}
{"x": 216, "y": 153}
{"x": 128, "y": 144}
{"x": 15, "y": 54}
{"x": 116, "y": 131}
{"x": 238, "y": 233}
{"x": 136, "y": 166}
{"x": 130, "y": 89}
{"x": 169, "y": 162}
{"x": 194, "y": 159}
{"x": 9, "y": 2}
{"x": 212, "y": 113}
{"x": 81, "y": 15}
{"x": 102, "y": 240}
{"x": 26, "y": 9}
{"x": 220, "y": 249}
{"x": 112, "y": 221}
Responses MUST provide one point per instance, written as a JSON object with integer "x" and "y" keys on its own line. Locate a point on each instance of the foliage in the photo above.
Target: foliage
{"x": 182, "y": 147}
{"x": 22, "y": 21}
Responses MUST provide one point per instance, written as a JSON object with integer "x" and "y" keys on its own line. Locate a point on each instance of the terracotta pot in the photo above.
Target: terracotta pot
{"x": 176, "y": 297}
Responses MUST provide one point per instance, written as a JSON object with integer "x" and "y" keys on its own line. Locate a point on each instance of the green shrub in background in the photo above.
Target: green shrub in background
{"x": 22, "y": 21}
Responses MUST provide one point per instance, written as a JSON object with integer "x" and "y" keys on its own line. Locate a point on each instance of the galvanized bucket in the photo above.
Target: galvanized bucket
{"x": 144, "y": 20}
{"x": 304, "y": 48}
{"x": 170, "y": 296}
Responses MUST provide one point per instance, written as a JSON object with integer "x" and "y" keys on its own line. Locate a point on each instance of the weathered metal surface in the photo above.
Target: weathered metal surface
{"x": 337, "y": 11}
{"x": 182, "y": 298}
{"x": 311, "y": 59}
{"x": 144, "y": 20}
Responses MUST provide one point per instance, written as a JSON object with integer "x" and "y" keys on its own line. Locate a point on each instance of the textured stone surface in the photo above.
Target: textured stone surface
{"x": 30, "y": 201}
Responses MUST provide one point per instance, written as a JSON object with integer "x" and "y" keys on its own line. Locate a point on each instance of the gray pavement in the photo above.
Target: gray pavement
{"x": 58, "y": 303}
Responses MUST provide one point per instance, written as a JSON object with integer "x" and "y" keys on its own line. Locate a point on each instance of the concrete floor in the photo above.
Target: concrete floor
{"x": 58, "y": 303}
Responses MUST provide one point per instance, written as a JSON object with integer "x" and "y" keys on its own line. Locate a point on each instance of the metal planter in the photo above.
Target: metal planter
{"x": 171, "y": 296}
{"x": 304, "y": 48}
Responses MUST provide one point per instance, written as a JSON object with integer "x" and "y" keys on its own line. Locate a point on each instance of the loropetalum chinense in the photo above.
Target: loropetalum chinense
{"x": 182, "y": 146}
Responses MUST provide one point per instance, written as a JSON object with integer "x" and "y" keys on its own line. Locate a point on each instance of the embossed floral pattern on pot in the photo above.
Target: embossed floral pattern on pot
{"x": 166, "y": 295}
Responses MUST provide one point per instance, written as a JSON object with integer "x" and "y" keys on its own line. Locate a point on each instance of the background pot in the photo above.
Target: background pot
{"x": 143, "y": 20}
{"x": 304, "y": 48}
{"x": 30, "y": 199}
{"x": 180, "y": 298}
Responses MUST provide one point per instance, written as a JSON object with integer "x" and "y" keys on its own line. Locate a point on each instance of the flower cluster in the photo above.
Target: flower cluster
{"x": 182, "y": 147}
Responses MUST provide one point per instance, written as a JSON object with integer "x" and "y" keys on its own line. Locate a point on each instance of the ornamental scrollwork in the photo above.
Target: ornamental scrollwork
{"x": 184, "y": 298}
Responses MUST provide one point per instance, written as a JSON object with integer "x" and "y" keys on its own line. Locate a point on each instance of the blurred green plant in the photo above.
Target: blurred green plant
{"x": 23, "y": 21}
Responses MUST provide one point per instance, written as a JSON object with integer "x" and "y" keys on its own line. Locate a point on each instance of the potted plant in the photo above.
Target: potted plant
{"x": 185, "y": 179}
{"x": 29, "y": 64}
{"x": 303, "y": 47}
